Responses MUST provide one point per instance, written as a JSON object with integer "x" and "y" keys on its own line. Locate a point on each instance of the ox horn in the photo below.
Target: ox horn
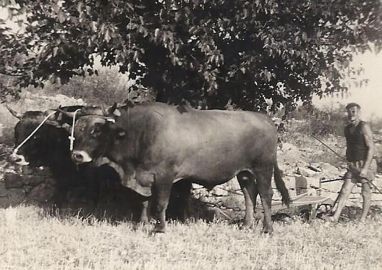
{"x": 104, "y": 111}
{"x": 13, "y": 112}
{"x": 68, "y": 114}
{"x": 52, "y": 123}
{"x": 52, "y": 117}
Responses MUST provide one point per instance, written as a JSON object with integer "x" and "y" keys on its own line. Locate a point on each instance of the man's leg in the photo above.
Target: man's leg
{"x": 342, "y": 197}
{"x": 366, "y": 189}
{"x": 366, "y": 195}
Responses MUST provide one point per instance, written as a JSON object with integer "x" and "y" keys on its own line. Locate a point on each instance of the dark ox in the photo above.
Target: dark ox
{"x": 49, "y": 147}
{"x": 157, "y": 145}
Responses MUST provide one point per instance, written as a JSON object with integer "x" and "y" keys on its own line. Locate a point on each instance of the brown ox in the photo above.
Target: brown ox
{"x": 157, "y": 145}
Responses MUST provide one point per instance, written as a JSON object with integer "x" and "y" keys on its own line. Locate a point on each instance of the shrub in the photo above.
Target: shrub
{"x": 105, "y": 87}
{"x": 319, "y": 122}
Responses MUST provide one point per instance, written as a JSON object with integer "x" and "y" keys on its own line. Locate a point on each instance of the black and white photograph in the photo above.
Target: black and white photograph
{"x": 190, "y": 134}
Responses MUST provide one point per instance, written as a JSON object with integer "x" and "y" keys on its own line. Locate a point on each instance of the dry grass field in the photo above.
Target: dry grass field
{"x": 30, "y": 239}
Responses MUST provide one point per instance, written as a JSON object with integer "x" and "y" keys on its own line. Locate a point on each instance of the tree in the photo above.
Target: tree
{"x": 12, "y": 54}
{"x": 211, "y": 53}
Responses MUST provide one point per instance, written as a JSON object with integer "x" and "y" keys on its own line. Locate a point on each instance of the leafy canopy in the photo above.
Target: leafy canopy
{"x": 213, "y": 53}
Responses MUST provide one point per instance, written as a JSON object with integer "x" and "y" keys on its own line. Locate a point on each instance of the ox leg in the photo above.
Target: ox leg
{"x": 264, "y": 178}
{"x": 144, "y": 217}
{"x": 162, "y": 192}
{"x": 248, "y": 186}
{"x": 186, "y": 201}
{"x": 180, "y": 201}
{"x": 60, "y": 195}
{"x": 59, "y": 198}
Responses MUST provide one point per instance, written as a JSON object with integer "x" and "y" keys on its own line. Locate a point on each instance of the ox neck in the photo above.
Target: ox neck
{"x": 136, "y": 123}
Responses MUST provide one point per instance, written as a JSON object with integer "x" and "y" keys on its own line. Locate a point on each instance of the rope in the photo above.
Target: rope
{"x": 343, "y": 159}
{"x": 33, "y": 132}
{"x": 71, "y": 137}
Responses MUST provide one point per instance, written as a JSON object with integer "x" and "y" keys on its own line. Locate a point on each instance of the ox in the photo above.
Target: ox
{"x": 49, "y": 147}
{"x": 157, "y": 145}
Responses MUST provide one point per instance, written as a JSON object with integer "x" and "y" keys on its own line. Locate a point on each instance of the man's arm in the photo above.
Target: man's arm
{"x": 368, "y": 135}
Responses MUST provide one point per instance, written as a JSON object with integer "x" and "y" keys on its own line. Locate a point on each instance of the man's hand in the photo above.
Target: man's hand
{"x": 360, "y": 173}
{"x": 353, "y": 169}
{"x": 363, "y": 173}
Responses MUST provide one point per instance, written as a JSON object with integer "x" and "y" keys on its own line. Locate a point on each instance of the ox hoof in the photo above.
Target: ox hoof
{"x": 250, "y": 223}
{"x": 144, "y": 221}
{"x": 329, "y": 219}
{"x": 267, "y": 231}
{"x": 362, "y": 221}
{"x": 159, "y": 229}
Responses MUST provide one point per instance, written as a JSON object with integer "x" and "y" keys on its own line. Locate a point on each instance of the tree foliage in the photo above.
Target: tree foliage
{"x": 209, "y": 53}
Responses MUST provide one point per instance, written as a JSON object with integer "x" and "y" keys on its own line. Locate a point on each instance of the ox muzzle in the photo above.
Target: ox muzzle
{"x": 18, "y": 159}
{"x": 80, "y": 156}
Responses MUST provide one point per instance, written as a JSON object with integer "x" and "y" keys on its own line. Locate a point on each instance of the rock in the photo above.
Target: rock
{"x": 289, "y": 182}
{"x": 313, "y": 182}
{"x": 315, "y": 167}
{"x": 306, "y": 172}
{"x": 376, "y": 197}
{"x": 333, "y": 187}
{"x": 328, "y": 168}
{"x": 11, "y": 197}
{"x": 301, "y": 185}
{"x": 378, "y": 181}
{"x": 287, "y": 147}
{"x": 218, "y": 191}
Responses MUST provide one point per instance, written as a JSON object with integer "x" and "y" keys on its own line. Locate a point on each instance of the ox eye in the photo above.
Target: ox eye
{"x": 95, "y": 132}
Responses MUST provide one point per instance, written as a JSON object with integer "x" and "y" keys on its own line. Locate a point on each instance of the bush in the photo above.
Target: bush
{"x": 376, "y": 124}
{"x": 320, "y": 122}
{"x": 105, "y": 88}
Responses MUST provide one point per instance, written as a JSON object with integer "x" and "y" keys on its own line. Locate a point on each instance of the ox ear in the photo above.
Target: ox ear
{"x": 13, "y": 112}
{"x": 129, "y": 103}
{"x": 113, "y": 110}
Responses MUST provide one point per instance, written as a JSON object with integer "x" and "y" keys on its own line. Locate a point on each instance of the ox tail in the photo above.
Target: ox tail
{"x": 280, "y": 185}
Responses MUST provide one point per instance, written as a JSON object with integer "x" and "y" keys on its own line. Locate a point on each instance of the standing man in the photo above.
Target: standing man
{"x": 359, "y": 154}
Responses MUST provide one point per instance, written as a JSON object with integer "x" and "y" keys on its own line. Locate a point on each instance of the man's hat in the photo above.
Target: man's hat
{"x": 352, "y": 104}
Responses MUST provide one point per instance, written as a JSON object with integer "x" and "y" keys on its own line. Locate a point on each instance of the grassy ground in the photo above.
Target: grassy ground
{"x": 29, "y": 239}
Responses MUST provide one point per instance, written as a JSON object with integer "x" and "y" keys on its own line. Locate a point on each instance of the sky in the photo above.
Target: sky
{"x": 369, "y": 96}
